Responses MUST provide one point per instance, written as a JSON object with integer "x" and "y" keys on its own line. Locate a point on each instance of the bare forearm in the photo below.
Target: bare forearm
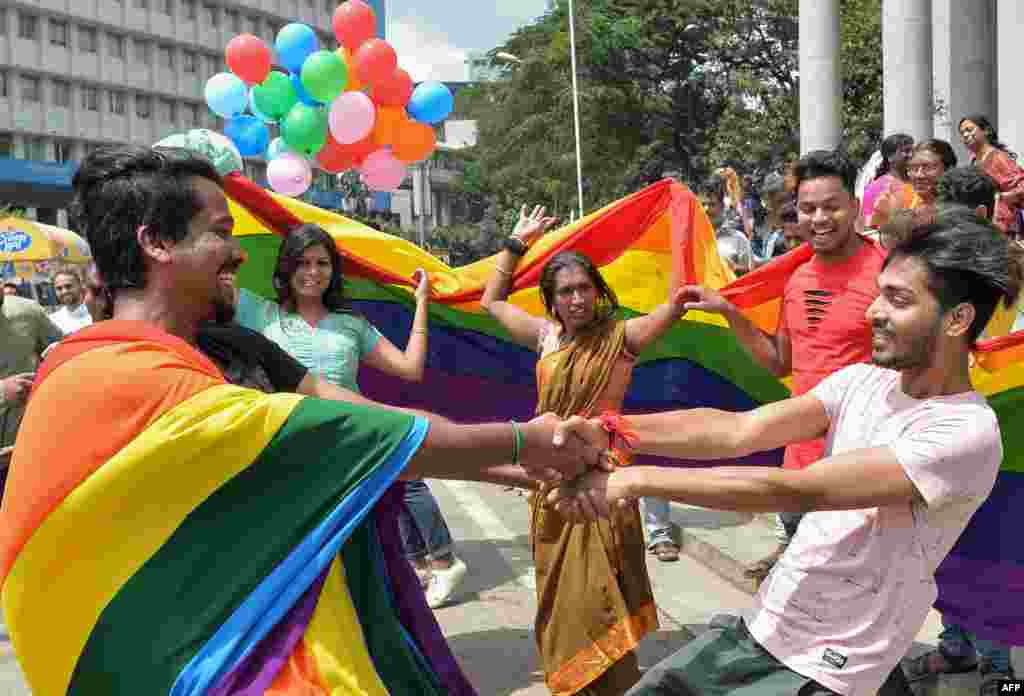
{"x": 741, "y": 488}
{"x": 500, "y": 282}
{"x": 699, "y": 433}
{"x": 763, "y": 348}
{"x": 453, "y": 451}
{"x": 416, "y": 349}
{"x": 508, "y": 475}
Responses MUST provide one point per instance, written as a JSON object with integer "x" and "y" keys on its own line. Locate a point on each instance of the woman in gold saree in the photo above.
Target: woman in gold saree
{"x": 594, "y": 595}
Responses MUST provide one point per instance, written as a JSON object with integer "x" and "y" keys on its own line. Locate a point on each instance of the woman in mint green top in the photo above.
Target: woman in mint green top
{"x": 310, "y": 320}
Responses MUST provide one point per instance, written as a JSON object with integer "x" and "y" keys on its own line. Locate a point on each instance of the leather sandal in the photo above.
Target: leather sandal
{"x": 666, "y": 551}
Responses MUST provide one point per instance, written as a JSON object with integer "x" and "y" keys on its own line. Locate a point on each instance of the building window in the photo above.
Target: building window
{"x": 35, "y": 149}
{"x": 58, "y": 32}
{"x": 115, "y": 46}
{"x": 168, "y": 112}
{"x": 214, "y": 63}
{"x": 3, "y": 21}
{"x": 212, "y": 15}
{"x": 143, "y": 106}
{"x": 167, "y": 7}
{"x": 233, "y": 20}
{"x": 117, "y": 101}
{"x": 141, "y": 51}
{"x": 3, "y": 83}
{"x": 188, "y": 8}
{"x": 191, "y": 115}
{"x": 142, "y": 4}
{"x": 6, "y": 145}
{"x": 61, "y": 94}
{"x": 30, "y": 89}
{"x": 188, "y": 61}
{"x": 62, "y": 151}
{"x": 167, "y": 57}
{"x": 28, "y": 26}
{"x": 87, "y": 39}
{"x": 254, "y": 26}
{"x": 90, "y": 99}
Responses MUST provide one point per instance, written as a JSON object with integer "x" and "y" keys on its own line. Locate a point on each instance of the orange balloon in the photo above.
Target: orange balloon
{"x": 415, "y": 142}
{"x": 389, "y": 120}
{"x": 354, "y": 83}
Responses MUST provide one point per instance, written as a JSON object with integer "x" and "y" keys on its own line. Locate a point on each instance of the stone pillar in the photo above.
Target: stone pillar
{"x": 1010, "y": 99}
{"x": 820, "y": 81}
{"x": 907, "y": 67}
{"x": 964, "y": 39}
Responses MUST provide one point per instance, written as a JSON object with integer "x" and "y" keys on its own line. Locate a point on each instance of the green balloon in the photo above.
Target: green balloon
{"x": 324, "y": 76}
{"x": 304, "y": 129}
{"x": 275, "y": 96}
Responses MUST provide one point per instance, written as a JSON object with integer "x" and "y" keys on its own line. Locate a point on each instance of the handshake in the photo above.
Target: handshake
{"x": 574, "y": 457}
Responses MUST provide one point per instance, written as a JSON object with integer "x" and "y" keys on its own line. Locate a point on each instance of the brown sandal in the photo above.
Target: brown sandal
{"x": 666, "y": 551}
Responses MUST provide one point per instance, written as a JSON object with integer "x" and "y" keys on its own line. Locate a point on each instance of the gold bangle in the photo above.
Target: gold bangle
{"x": 502, "y": 271}
{"x": 420, "y": 331}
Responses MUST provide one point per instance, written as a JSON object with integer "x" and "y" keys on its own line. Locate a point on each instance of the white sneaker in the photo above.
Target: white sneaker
{"x": 443, "y": 582}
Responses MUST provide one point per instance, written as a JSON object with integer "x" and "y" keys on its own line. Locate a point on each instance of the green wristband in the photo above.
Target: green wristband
{"x": 517, "y": 442}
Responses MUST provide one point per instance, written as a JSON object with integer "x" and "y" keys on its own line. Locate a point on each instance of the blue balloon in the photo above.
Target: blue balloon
{"x": 295, "y": 42}
{"x": 301, "y": 91}
{"x": 431, "y": 102}
{"x": 249, "y": 134}
{"x": 256, "y": 112}
{"x": 277, "y": 148}
{"x": 226, "y": 95}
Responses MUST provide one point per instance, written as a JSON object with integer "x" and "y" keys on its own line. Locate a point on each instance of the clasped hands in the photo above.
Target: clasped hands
{"x": 572, "y": 457}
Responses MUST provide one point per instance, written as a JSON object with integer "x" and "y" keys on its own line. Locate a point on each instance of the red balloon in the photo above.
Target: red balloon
{"x": 336, "y": 158}
{"x": 354, "y": 23}
{"x": 375, "y": 61}
{"x": 359, "y": 151}
{"x": 248, "y": 58}
{"x": 394, "y": 91}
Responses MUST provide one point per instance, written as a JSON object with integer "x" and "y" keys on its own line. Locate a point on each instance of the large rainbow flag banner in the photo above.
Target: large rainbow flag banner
{"x": 179, "y": 535}
{"x": 642, "y": 244}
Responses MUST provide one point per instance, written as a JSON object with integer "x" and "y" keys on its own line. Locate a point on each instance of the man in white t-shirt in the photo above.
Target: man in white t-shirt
{"x": 911, "y": 452}
{"x": 73, "y": 314}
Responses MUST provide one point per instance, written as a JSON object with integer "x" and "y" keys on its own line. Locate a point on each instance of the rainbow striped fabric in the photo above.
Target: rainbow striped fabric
{"x": 164, "y": 532}
{"x": 642, "y": 244}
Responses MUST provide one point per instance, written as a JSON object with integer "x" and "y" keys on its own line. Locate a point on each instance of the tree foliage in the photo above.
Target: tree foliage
{"x": 664, "y": 85}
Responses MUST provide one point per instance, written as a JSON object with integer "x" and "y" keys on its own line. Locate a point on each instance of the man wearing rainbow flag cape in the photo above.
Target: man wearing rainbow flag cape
{"x": 166, "y": 532}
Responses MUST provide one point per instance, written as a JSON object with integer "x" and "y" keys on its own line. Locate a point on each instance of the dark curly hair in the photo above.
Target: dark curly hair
{"x": 890, "y": 146}
{"x": 824, "y": 163}
{"x": 941, "y": 149}
{"x": 121, "y": 188}
{"x": 289, "y": 257}
{"x": 607, "y": 301}
{"x": 967, "y": 186}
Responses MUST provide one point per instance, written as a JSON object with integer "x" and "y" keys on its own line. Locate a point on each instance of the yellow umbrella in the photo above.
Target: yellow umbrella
{"x": 27, "y": 241}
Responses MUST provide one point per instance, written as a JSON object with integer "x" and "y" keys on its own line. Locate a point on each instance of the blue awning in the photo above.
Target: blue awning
{"x": 32, "y": 183}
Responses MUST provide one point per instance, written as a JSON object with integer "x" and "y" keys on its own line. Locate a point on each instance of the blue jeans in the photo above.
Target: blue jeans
{"x": 424, "y": 532}
{"x": 957, "y": 641}
{"x": 657, "y": 520}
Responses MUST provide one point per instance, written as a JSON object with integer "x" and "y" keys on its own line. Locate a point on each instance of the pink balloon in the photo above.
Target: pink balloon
{"x": 289, "y": 174}
{"x": 382, "y": 160}
{"x": 386, "y": 180}
{"x": 352, "y": 117}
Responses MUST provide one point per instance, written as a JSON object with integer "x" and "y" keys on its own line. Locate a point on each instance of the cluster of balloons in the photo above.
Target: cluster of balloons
{"x": 352, "y": 108}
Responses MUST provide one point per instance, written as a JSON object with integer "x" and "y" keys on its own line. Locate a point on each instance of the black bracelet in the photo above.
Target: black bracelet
{"x": 516, "y": 246}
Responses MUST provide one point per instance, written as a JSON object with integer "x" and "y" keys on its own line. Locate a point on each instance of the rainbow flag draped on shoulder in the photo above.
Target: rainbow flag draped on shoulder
{"x": 164, "y": 532}
{"x": 641, "y": 244}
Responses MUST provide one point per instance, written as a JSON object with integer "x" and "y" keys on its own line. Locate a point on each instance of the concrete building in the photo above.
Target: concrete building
{"x": 942, "y": 60}
{"x": 75, "y": 74}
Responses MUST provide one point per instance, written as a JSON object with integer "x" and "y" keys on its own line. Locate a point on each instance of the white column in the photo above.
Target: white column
{"x": 964, "y": 56}
{"x": 1010, "y": 99}
{"x": 907, "y": 67}
{"x": 820, "y": 80}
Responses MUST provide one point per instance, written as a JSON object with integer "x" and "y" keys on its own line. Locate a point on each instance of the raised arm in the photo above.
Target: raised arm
{"x": 772, "y": 351}
{"x": 523, "y": 326}
{"x": 407, "y": 364}
{"x": 643, "y": 331}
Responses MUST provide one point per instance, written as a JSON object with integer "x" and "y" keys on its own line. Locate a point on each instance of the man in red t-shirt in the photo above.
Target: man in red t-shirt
{"x": 823, "y": 326}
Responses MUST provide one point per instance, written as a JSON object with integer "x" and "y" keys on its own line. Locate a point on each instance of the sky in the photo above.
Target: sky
{"x": 432, "y": 37}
